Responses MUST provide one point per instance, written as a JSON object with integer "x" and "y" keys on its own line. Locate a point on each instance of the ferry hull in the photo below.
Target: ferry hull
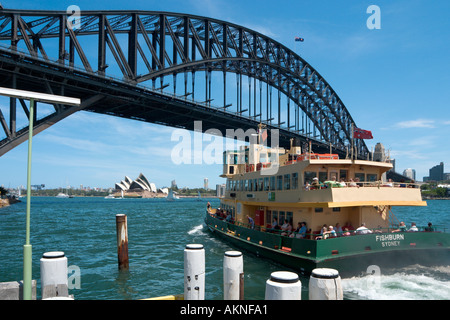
{"x": 351, "y": 256}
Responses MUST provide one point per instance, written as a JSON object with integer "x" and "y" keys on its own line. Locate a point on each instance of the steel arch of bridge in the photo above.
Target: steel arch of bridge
{"x": 146, "y": 48}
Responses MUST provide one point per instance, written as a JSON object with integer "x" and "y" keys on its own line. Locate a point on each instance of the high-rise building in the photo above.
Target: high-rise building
{"x": 205, "y": 183}
{"x": 410, "y": 173}
{"x": 437, "y": 172}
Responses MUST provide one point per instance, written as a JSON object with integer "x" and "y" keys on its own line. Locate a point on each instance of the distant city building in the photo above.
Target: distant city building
{"x": 410, "y": 173}
{"x": 174, "y": 184}
{"x": 141, "y": 183}
{"x": 379, "y": 155}
{"x": 205, "y": 183}
{"x": 437, "y": 172}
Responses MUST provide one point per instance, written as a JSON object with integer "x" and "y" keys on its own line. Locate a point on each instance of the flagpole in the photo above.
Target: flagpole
{"x": 353, "y": 137}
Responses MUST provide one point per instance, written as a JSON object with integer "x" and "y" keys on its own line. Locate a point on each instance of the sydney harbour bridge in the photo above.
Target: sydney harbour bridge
{"x": 170, "y": 69}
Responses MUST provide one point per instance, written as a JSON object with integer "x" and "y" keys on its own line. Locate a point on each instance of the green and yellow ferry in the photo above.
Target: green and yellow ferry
{"x": 265, "y": 202}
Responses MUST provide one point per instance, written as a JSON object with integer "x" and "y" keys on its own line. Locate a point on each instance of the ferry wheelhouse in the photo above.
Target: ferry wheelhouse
{"x": 311, "y": 190}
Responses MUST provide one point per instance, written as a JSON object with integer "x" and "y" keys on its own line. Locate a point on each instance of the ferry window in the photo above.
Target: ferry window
{"x": 360, "y": 176}
{"x": 262, "y": 157}
{"x": 318, "y": 209}
{"x": 309, "y": 176}
{"x": 261, "y": 184}
{"x": 250, "y": 185}
{"x": 279, "y": 182}
{"x": 343, "y": 174}
{"x": 287, "y": 182}
{"x": 245, "y": 185}
{"x": 336, "y": 209}
{"x": 268, "y": 217}
{"x": 255, "y": 184}
{"x": 275, "y": 216}
{"x": 322, "y": 176}
{"x": 241, "y": 185}
{"x": 272, "y": 183}
{"x": 289, "y": 216}
{"x": 228, "y": 185}
{"x": 266, "y": 184}
{"x": 281, "y": 217}
{"x": 295, "y": 180}
{"x": 371, "y": 177}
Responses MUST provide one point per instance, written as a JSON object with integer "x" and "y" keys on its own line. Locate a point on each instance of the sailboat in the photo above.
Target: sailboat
{"x": 199, "y": 198}
{"x": 62, "y": 195}
{"x": 171, "y": 196}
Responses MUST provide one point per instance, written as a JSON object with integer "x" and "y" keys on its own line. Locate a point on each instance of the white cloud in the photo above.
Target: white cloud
{"x": 419, "y": 123}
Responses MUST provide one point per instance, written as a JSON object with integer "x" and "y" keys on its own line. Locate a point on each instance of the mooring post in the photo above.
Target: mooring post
{"x": 54, "y": 281}
{"x": 233, "y": 268}
{"x": 194, "y": 272}
{"x": 122, "y": 241}
{"x": 283, "y": 285}
{"x": 325, "y": 284}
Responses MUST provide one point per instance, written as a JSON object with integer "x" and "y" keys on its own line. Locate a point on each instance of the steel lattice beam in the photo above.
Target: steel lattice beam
{"x": 145, "y": 48}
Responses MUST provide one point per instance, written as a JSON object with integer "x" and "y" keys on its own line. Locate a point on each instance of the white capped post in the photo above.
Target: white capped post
{"x": 194, "y": 272}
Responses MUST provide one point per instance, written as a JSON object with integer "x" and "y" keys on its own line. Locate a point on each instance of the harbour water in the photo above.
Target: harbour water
{"x": 158, "y": 230}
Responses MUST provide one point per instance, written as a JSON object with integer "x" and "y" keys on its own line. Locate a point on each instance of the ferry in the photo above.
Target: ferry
{"x": 308, "y": 210}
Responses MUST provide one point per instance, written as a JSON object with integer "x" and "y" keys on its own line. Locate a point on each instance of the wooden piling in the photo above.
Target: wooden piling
{"x": 122, "y": 241}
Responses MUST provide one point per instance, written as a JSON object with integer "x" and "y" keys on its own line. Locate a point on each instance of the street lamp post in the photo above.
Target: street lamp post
{"x": 33, "y": 97}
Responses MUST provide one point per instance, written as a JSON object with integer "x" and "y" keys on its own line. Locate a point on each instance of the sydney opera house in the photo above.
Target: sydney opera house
{"x": 140, "y": 184}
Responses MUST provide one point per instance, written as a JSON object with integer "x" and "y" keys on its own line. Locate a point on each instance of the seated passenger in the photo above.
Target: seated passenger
{"x": 346, "y": 233}
{"x": 362, "y": 229}
{"x": 331, "y": 232}
{"x": 352, "y": 184}
{"x": 429, "y": 228}
{"x": 342, "y": 183}
{"x": 286, "y": 228}
{"x": 401, "y": 227}
{"x": 413, "y": 227}
{"x": 315, "y": 184}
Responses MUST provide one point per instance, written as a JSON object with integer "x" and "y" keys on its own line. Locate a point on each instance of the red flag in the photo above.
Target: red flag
{"x": 362, "y": 134}
{"x": 264, "y": 135}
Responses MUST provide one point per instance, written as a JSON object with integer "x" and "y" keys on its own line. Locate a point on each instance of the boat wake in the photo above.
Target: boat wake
{"x": 196, "y": 230}
{"x": 413, "y": 283}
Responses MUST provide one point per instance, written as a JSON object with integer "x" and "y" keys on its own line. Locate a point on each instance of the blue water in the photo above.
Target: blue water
{"x": 158, "y": 230}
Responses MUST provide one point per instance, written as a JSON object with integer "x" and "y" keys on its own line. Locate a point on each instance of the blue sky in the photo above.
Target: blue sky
{"x": 395, "y": 81}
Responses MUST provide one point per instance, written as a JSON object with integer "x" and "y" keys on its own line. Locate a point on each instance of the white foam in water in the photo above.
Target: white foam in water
{"x": 196, "y": 229}
{"x": 398, "y": 286}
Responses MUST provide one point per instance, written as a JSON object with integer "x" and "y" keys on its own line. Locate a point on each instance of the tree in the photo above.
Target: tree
{"x": 441, "y": 192}
{"x": 3, "y": 191}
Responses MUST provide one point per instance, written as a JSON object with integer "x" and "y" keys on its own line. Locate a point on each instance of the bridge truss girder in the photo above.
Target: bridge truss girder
{"x": 148, "y": 47}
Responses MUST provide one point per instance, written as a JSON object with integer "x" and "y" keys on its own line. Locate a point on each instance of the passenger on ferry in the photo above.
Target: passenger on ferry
{"x": 274, "y": 223}
{"x": 315, "y": 184}
{"x": 362, "y": 229}
{"x": 342, "y": 182}
{"x": 389, "y": 183}
{"x": 401, "y": 227}
{"x": 302, "y": 231}
{"x": 323, "y": 234}
{"x": 413, "y": 227}
{"x": 348, "y": 226}
{"x": 331, "y": 232}
{"x": 352, "y": 184}
{"x": 429, "y": 228}
{"x": 307, "y": 186}
{"x": 251, "y": 222}
{"x": 286, "y": 228}
{"x": 346, "y": 232}
{"x": 338, "y": 229}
